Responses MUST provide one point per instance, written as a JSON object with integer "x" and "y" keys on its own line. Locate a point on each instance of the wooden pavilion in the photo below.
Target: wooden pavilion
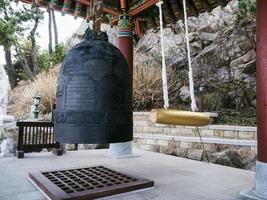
{"x": 137, "y": 16}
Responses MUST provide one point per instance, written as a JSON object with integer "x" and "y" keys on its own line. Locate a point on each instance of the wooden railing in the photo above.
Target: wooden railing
{"x": 35, "y": 136}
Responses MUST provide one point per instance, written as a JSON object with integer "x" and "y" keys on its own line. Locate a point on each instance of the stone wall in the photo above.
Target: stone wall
{"x": 228, "y": 145}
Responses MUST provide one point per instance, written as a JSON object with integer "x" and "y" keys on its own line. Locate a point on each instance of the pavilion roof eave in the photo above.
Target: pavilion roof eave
{"x": 144, "y": 12}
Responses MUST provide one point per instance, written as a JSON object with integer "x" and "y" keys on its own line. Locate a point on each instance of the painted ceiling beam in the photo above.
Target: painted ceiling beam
{"x": 111, "y": 11}
{"x": 143, "y": 7}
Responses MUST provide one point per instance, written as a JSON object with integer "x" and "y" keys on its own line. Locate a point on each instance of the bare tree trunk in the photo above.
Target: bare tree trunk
{"x": 55, "y": 27}
{"x": 33, "y": 41}
{"x": 25, "y": 64}
{"x": 50, "y": 47}
{"x": 34, "y": 49}
{"x": 12, "y": 75}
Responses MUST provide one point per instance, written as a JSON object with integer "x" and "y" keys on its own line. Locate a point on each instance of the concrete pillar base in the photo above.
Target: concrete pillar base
{"x": 259, "y": 192}
{"x": 120, "y": 150}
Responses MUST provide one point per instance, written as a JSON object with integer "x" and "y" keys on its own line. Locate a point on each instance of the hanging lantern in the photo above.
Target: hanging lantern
{"x": 94, "y": 95}
{"x": 78, "y": 9}
{"x": 66, "y": 6}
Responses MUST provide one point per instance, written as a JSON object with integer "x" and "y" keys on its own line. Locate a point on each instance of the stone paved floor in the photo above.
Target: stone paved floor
{"x": 175, "y": 178}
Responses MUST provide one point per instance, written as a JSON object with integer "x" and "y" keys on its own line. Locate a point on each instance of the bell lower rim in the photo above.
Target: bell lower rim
{"x": 93, "y": 134}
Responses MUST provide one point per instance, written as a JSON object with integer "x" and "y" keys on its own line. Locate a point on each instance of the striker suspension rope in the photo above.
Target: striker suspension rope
{"x": 191, "y": 79}
{"x": 164, "y": 70}
{"x": 190, "y": 70}
{"x": 203, "y": 146}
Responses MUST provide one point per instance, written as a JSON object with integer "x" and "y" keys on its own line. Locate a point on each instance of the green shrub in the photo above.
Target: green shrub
{"x": 246, "y": 8}
{"x": 46, "y": 61}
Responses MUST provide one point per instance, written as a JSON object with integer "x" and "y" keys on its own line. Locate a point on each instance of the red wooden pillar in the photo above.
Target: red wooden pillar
{"x": 260, "y": 189}
{"x": 125, "y": 39}
{"x": 261, "y": 75}
{"x": 125, "y": 44}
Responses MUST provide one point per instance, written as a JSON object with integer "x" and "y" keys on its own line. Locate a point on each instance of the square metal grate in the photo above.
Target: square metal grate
{"x": 86, "y": 183}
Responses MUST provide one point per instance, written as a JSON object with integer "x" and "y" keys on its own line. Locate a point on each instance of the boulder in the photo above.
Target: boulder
{"x": 184, "y": 93}
{"x": 8, "y": 148}
{"x": 242, "y": 158}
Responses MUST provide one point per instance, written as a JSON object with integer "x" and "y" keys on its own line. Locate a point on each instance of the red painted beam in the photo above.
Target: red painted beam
{"x": 26, "y": 1}
{"x": 261, "y": 76}
{"x": 85, "y": 2}
{"x": 143, "y": 7}
{"x": 110, "y": 11}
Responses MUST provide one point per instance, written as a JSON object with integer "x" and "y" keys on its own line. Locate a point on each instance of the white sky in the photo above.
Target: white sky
{"x": 66, "y": 25}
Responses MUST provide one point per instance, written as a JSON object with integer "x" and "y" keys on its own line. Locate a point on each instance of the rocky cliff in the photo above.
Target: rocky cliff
{"x": 223, "y": 59}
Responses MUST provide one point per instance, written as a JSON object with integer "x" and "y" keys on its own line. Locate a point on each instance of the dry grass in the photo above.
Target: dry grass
{"x": 147, "y": 87}
{"x": 20, "y": 99}
{"x": 147, "y": 91}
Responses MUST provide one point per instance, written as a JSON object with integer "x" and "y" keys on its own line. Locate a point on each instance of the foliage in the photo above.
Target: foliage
{"x": 13, "y": 19}
{"x": 244, "y": 117}
{"x": 15, "y": 22}
{"x": 246, "y": 8}
{"x": 46, "y": 60}
{"x": 59, "y": 54}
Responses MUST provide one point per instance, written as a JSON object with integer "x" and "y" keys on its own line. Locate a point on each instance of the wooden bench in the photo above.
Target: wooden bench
{"x": 35, "y": 136}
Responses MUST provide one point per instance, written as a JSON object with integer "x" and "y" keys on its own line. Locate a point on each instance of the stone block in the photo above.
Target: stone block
{"x": 162, "y": 142}
{"x": 184, "y": 144}
{"x": 151, "y": 141}
{"x": 160, "y": 125}
{"x": 137, "y": 117}
{"x": 246, "y": 135}
{"x": 222, "y": 147}
{"x": 210, "y": 147}
{"x": 195, "y": 154}
{"x": 147, "y": 129}
{"x": 71, "y": 146}
{"x": 169, "y": 150}
{"x": 182, "y": 131}
{"x": 173, "y": 131}
{"x": 196, "y": 145}
{"x": 140, "y": 123}
{"x": 207, "y": 133}
{"x": 137, "y": 113}
{"x": 167, "y": 131}
{"x": 174, "y": 144}
{"x": 188, "y": 131}
{"x": 158, "y": 130}
{"x": 137, "y": 129}
{"x": 146, "y": 147}
{"x": 230, "y": 134}
{"x": 181, "y": 152}
{"x": 218, "y": 133}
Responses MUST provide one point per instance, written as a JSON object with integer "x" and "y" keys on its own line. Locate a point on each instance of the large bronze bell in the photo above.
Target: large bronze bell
{"x": 94, "y": 95}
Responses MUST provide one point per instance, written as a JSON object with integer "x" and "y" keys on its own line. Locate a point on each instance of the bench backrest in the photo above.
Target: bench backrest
{"x": 34, "y": 136}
